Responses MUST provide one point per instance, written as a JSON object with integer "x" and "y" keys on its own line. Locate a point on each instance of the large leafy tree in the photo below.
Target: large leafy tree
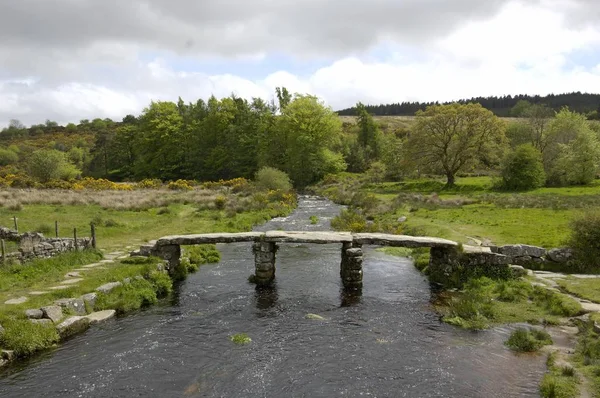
{"x": 310, "y": 130}
{"x": 450, "y": 138}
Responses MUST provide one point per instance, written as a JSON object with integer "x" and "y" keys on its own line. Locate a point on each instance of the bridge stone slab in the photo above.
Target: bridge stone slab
{"x": 198, "y": 239}
{"x": 308, "y": 237}
{"x": 402, "y": 240}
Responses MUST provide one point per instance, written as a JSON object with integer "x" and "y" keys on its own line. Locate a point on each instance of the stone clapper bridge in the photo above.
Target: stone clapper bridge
{"x": 444, "y": 253}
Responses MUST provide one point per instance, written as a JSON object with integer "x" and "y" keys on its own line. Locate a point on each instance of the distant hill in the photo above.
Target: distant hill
{"x": 580, "y": 102}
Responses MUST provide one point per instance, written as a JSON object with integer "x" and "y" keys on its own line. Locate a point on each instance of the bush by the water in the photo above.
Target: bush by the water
{"x": 271, "y": 179}
{"x": 528, "y": 340}
{"x": 585, "y": 242}
{"x": 523, "y": 169}
{"x": 203, "y": 254}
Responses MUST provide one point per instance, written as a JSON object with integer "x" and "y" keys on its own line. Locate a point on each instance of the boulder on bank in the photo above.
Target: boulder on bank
{"x": 76, "y": 305}
{"x": 522, "y": 251}
{"x": 73, "y": 325}
{"x": 34, "y": 314}
{"x": 90, "y": 300}
{"x": 107, "y": 287}
{"x": 560, "y": 255}
{"x": 53, "y": 312}
{"x": 101, "y": 316}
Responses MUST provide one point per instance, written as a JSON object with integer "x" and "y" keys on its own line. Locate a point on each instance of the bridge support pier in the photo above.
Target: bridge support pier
{"x": 171, "y": 253}
{"x": 264, "y": 262}
{"x": 351, "y": 266}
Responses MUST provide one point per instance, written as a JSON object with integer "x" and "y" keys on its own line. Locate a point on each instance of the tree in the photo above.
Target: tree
{"x": 310, "y": 130}
{"x": 572, "y": 152}
{"x": 523, "y": 169}
{"x": 538, "y": 118}
{"x": 49, "y": 164}
{"x": 450, "y": 138}
{"x": 283, "y": 96}
{"x": 521, "y": 108}
{"x": 369, "y": 136}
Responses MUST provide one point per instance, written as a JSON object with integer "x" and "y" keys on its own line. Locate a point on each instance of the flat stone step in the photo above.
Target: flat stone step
{"x": 94, "y": 265}
{"x": 38, "y": 293}
{"x": 72, "y": 274}
{"x": 73, "y": 281}
{"x": 101, "y": 316}
{"x": 590, "y": 307}
{"x": 106, "y": 261}
{"x": 16, "y": 301}
{"x": 61, "y": 287}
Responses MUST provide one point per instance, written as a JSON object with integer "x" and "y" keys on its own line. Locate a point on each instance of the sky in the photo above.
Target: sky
{"x": 67, "y": 60}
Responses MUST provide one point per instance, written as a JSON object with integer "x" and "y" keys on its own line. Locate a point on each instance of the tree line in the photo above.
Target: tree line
{"x": 585, "y": 103}
{"x": 215, "y": 139}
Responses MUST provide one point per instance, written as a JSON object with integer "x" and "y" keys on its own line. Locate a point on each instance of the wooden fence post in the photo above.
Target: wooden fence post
{"x": 16, "y": 224}
{"x": 75, "y": 239}
{"x": 93, "y": 235}
{"x": 56, "y": 228}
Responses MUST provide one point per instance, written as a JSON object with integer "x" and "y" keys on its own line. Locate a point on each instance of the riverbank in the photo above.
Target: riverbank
{"x": 47, "y": 300}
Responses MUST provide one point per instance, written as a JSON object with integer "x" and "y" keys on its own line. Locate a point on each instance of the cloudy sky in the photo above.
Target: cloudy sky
{"x": 67, "y": 60}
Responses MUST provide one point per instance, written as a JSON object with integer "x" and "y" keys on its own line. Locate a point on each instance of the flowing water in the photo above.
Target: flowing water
{"x": 388, "y": 342}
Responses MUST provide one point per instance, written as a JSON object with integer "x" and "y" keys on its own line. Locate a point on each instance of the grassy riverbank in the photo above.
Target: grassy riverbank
{"x": 123, "y": 220}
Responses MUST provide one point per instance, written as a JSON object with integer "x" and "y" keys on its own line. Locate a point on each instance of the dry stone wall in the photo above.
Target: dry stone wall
{"x": 35, "y": 245}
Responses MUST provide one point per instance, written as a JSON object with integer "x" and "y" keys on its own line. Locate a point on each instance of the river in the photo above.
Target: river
{"x": 387, "y": 342}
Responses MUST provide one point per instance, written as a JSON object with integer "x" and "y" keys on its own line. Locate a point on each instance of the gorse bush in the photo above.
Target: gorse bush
{"x": 271, "y": 179}
{"x": 523, "y": 169}
{"x": 131, "y": 296}
{"x": 585, "y": 242}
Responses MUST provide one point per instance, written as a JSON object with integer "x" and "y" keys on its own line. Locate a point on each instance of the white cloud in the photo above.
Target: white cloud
{"x": 526, "y": 47}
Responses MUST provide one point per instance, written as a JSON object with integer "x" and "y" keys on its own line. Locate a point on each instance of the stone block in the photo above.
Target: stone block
{"x": 107, "y": 287}
{"x": 560, "y": 255}
{"x": 101, "y": 316}
{"x": 354, "y": 252}
{"x": 53, "y": 312}
{"x": 73, "y": 325}
{"x": 41, "y": 321}
{"x": 264, "y": 266}
{"x": 522, "y": 251}
{"x": 34, "y": 314}
{"x": 75, "y": 305}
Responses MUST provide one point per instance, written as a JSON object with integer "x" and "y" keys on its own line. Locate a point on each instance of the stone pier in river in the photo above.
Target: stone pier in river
{"x": 265, "y": 245}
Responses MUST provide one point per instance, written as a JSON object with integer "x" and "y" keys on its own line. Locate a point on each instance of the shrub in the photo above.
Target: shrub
{"x": 163, "y": 285}
{"x": 585, "y": 241}
{"x": 220, "y": 202}
{"x": 558, "y": 386}
{"x": 271, "y": 179}
{"x": 148, "y": 183}
{"x": 8, "y": 157}
{"x": 555, "y": 303}
{"x": 349, "y": 220}
{"x": 523, "y": 169}
{"x": 531, "y": 340}
{"x": 314, "y": 220}
{"x": 181, "y": 185}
